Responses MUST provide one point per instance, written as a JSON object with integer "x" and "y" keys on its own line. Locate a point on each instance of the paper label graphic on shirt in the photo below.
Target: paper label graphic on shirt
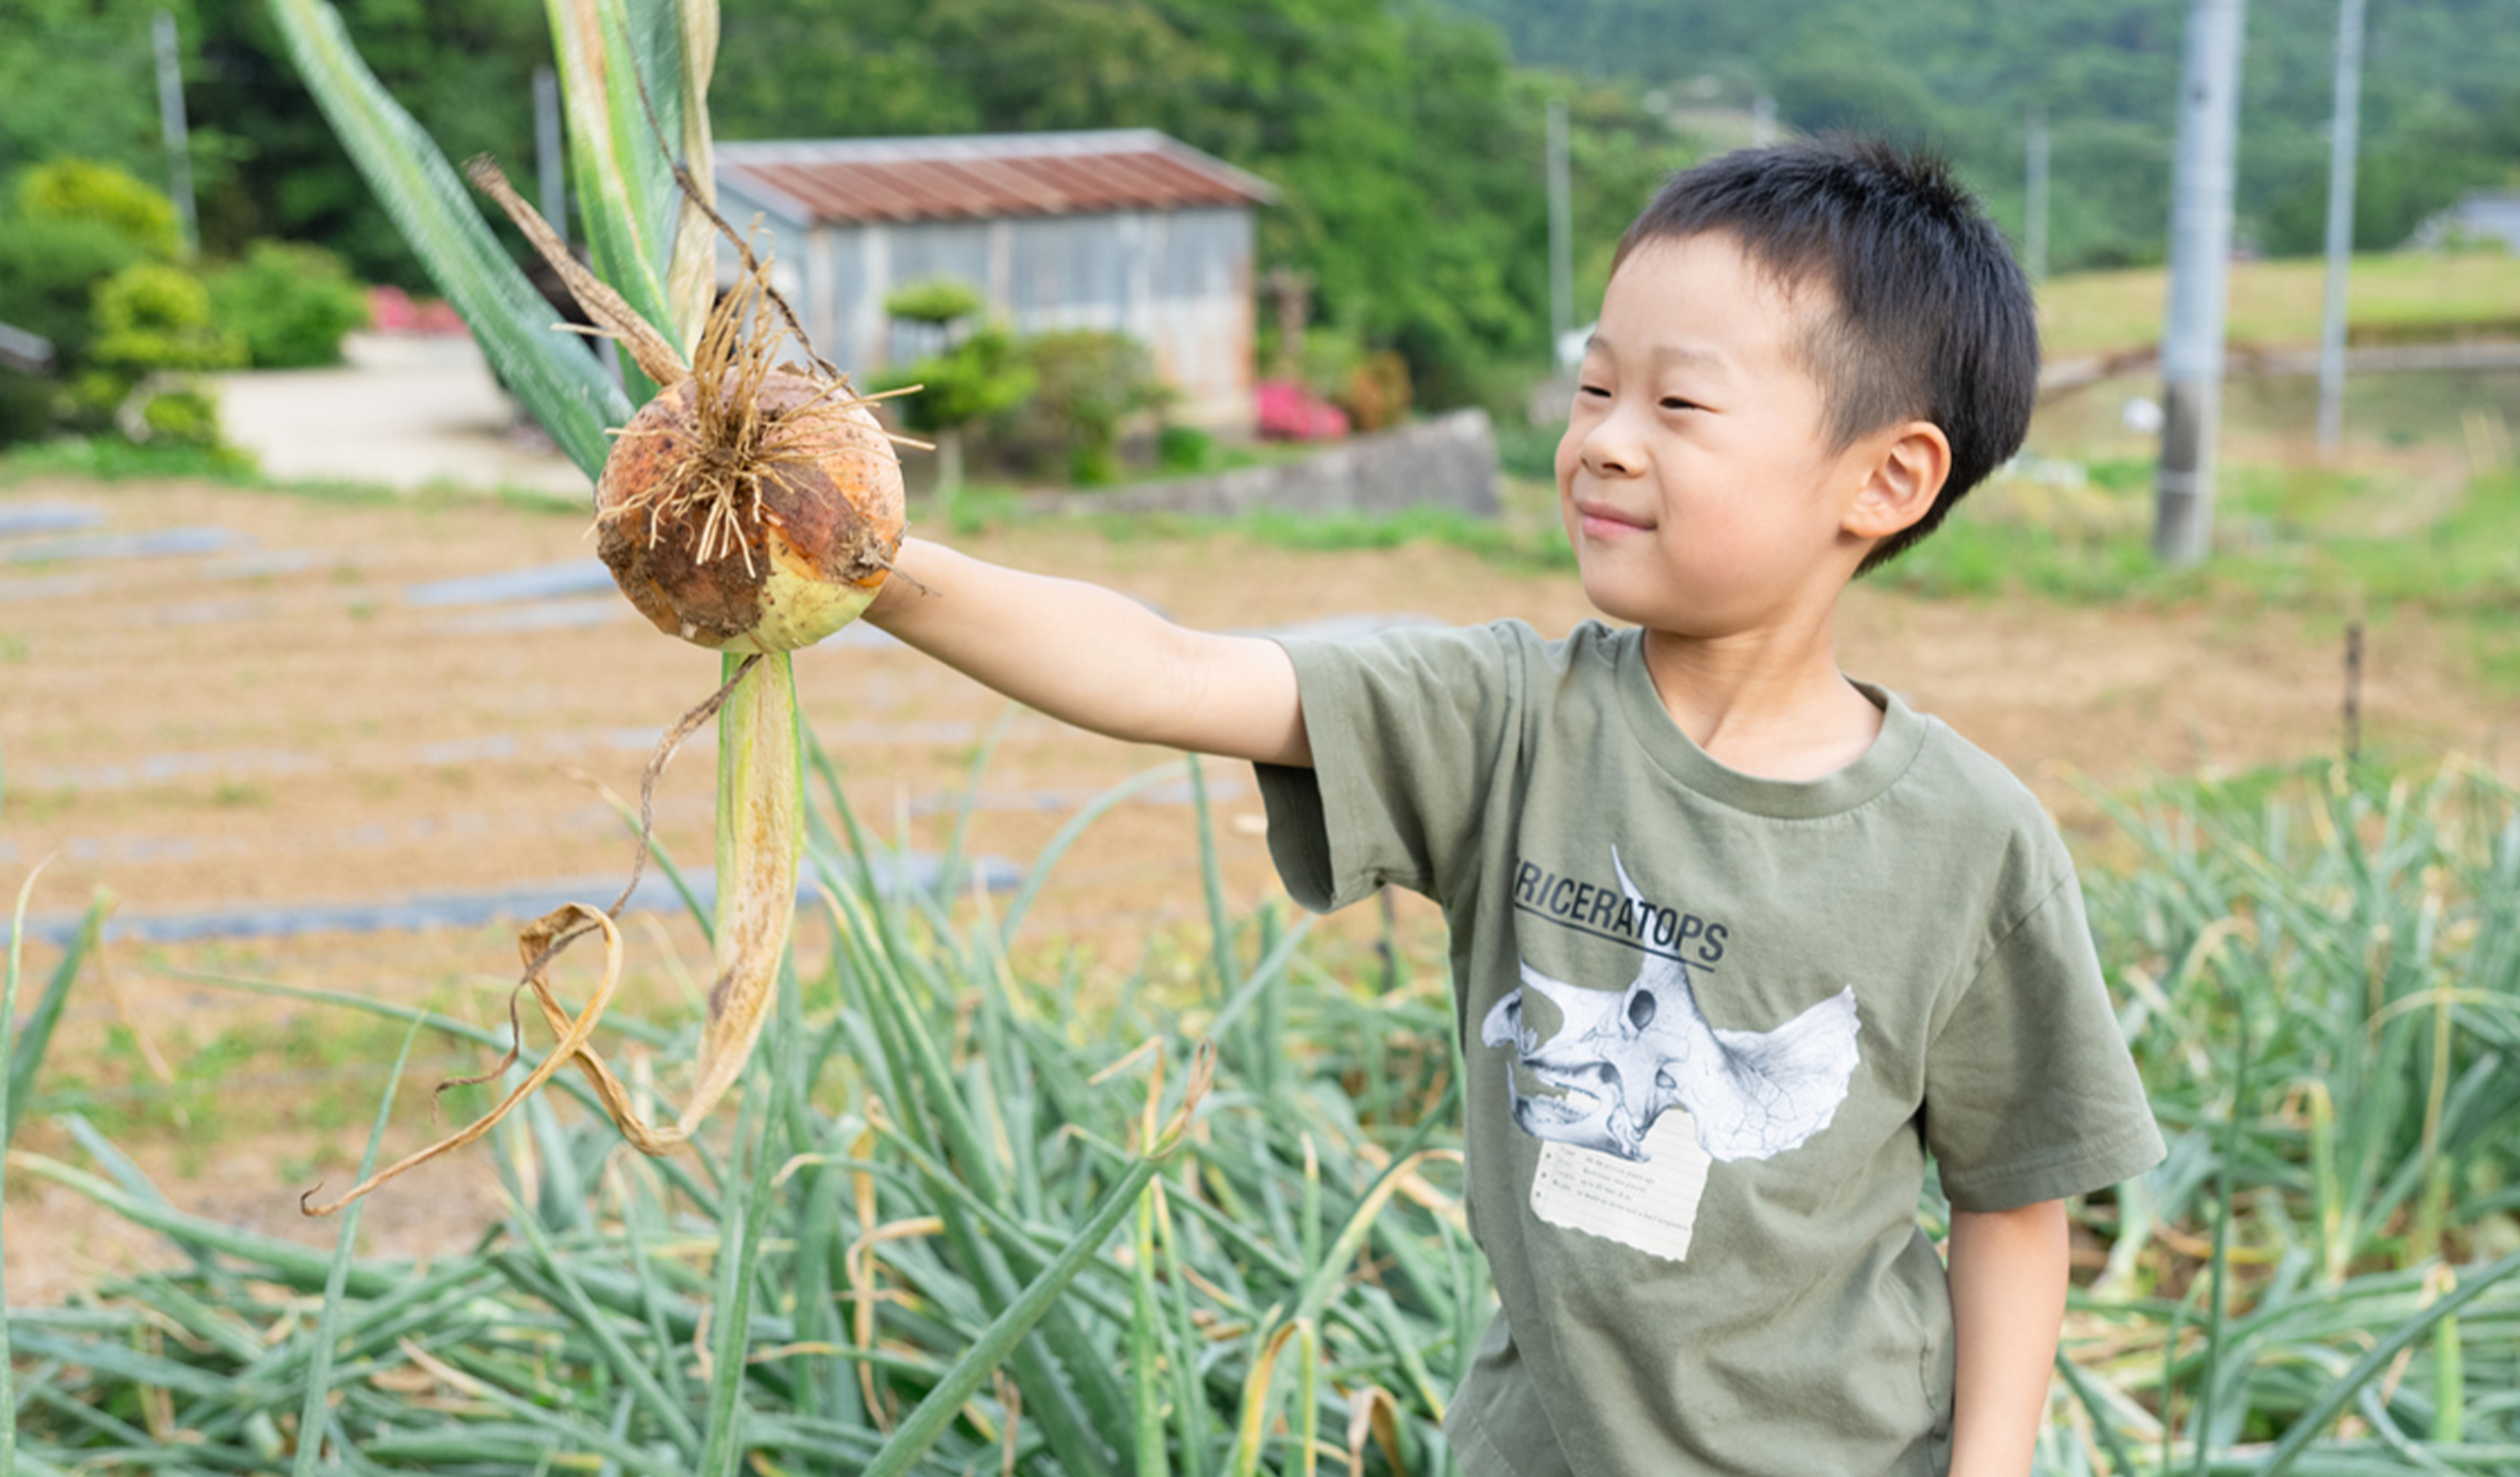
{"x": 1621, "y": 1061}
{"x": 1649, "y": 1204}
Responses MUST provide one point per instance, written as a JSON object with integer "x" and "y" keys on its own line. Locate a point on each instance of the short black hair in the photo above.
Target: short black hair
{"x": 1930, "y": 318}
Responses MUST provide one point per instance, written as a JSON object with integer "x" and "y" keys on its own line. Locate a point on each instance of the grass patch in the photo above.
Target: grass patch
{"x": 1518, "y": 542}
{"x": 112, "y": 461}
{"x": 1528, "y": 451}
{"x": 239, "y": 794}
{"x": 1499, "y": 542}
{"x": 2466, "y": 562}
{"x": 2292, "y": 538}
{"x": 2394, "y": 297}
{"x": 1985, "y": 558}
{"x": 302, "y": 1069}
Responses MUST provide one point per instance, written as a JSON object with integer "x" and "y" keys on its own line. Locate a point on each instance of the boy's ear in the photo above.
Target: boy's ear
{"x": 1906, "y": 472}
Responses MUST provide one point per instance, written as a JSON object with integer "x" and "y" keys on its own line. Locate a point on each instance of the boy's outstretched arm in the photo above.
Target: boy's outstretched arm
{"x": 1093, "y": 658}
{"x": 2008, "y": 1277}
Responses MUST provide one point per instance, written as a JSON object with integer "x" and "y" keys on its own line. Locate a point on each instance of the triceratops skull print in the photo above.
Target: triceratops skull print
{"x": 1620, "y": 1057}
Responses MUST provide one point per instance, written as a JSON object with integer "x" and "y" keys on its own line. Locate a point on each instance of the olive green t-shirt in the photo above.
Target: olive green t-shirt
{"x": 1713, "y": 1025}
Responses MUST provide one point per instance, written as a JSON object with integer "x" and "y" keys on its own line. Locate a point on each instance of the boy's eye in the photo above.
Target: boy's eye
{"x": 1676, "y": 402}
{"x": 1593, "y": 390}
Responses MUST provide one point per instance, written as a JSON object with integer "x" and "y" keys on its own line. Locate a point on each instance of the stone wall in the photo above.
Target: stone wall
{"x": 1446, "y": 461}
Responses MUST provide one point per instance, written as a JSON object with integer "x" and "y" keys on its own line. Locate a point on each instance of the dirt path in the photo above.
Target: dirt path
{"x": 401, "y": 409}
{"x": 302, "y": 714}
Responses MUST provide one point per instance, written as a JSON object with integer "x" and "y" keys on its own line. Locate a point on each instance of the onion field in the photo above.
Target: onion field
{"x": 958, "y": 1225}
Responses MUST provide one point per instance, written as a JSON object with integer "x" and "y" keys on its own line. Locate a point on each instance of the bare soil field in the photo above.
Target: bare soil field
{"x": 299, "y": 712}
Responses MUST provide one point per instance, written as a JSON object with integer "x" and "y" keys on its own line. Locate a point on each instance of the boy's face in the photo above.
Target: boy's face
{"x": 1696, "y": 477}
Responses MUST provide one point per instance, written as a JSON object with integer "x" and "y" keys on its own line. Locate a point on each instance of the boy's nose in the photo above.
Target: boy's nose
{"x": 1611, "y": 448}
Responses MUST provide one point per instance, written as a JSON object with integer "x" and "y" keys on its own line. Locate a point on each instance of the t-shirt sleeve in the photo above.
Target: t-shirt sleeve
{"x": 2030, "y": 1091}
{"x": 1407, "y": 728}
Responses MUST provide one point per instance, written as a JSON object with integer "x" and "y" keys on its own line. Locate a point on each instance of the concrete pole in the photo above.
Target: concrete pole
{"x": 1561, "y": 232}
{"x": 170, "y": 123}
{"x": 1762, "y": 121}
{"x": 2200, "y": 251}
{"x": 2034, "y": 233}
{"x": 551, "y": 165}
{"x": 2340, "y": 149}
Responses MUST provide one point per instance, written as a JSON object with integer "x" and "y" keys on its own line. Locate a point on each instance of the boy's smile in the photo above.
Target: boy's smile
{"x": 1696, "y": 477}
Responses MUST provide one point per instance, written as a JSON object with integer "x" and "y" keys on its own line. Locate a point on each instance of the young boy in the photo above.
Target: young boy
{"x": 1737, "y": 942}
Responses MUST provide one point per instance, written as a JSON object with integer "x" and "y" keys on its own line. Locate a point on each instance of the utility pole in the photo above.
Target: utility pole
{"x": 1561, "y": 232}
{"x": 549, "y": 163}
{"x": 170, "y": 123}
{"x": 2342, "y": 145}
{"x": 2200, "y": 253}
{"x": 1293, "y": 291}
{"x": 2034, "y": 233}
{"x": 1762, "y": 121}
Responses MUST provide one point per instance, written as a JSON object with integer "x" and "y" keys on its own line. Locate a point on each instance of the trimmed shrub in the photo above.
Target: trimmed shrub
{"x": 185, "y": 417}
{"x": 48, "y": 274}
{"x": 78, "y": 189}
{"x": 151, "y": 316}
{"x": 984, "y": 374}
{"x": 1088, "y": 384}
{"x": 937, "y": 301}
{"x": 1184, "y": 449}
{"x": 153, "y": 332}
{"x": 289, "y": 304}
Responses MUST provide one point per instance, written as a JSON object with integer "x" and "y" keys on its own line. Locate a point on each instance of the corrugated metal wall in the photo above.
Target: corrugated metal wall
{"x": 1180, "y": 282}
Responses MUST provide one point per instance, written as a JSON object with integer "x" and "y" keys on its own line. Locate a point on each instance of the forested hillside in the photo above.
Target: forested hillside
{"x": 1407, "y": 148}
{"x": 1406, "y": 136}
{"x": 2440, "y": 95}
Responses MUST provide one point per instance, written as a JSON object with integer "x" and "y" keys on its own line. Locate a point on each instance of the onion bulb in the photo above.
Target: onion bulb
{"x": 751, "y": 506}
{"x": 771, "y": 556}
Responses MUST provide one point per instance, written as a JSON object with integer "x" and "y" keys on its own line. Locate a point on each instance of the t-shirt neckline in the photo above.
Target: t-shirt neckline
{"x": 1893, "y": 750}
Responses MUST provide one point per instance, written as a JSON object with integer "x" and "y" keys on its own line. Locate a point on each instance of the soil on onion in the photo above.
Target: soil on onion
{"x": 280, "y": 723}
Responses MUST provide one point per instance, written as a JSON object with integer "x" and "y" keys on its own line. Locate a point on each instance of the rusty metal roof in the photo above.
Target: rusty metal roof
{"x": 851, "y": 180}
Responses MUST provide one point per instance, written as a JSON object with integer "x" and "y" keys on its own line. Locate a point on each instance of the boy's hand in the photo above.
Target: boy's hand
{"x": 1093, "y": 658}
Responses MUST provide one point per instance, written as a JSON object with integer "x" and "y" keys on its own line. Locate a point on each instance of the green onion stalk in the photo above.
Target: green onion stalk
{"x": 752, "y": 507}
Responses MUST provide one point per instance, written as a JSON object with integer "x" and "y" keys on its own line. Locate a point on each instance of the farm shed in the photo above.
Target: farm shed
{"x": 2480, "y": 215}
{"x": 1123, "y": 229}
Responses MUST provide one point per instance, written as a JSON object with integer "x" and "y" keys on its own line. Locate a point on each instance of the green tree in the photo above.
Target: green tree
{"x": 1405, "y": 140}
{"x": 831, "y": 69}
{"x": 979, "y": 375}
{"x": 1408, "y": 152}
{"x": 1085, "y": 385}
{"x": 47, "y": 271}
{"x": 1964, "y": 75}
{"x": 80, "y": 79}
{"x": 463, "y": 68}
{"x": 2438, "y": 153}
{"x": 84, "y": 191}
{"x": 72, "y": 224}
